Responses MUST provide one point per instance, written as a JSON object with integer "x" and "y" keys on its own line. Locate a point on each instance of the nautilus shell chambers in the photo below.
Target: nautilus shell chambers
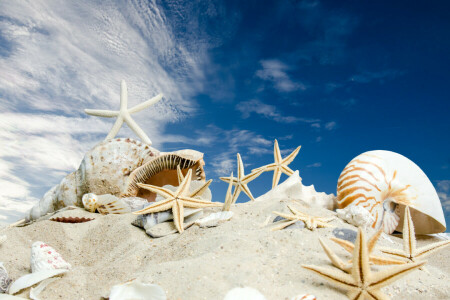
{"x": 384, "y": 182}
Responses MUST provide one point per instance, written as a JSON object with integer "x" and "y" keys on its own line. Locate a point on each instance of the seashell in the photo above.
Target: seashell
{"x": 137, "y": 290}
{"x": 384, "y": 182}
{"x": 135, "y": 203}
{"x": 5, "y": 281}
{"x": 34, "y": 292}
{"x": 46, "y": 262}
{"x": 297, "y": 225}
{"x": 245, "y": 293}
{"x": 105, "y": 204}
{"x": 2, "y": 239}
{"x": 214, "y": 219}
{"x": 304, "y": 297}
{"x": 356, "y": 215}
{"x": 163, "y": 171}
{"x": 71, "y": 220}
{"x": 167, "y": 228}
{"x": 293, "y": 189}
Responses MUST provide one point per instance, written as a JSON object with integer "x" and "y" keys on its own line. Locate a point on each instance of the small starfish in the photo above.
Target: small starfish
{"x": 124, "y": 114}
{"x": 311, "y": 222}
{"x": 361, "y": 283}
{"x": 199, "y": 191}
{"x": 228, "y": 197}
{"x": 175, "y": 200}
{"x": 280, "y": 165}
{"x": 410, "y": 253}
{"x": 377, "y": 260}
{"x": 241, "y": 181}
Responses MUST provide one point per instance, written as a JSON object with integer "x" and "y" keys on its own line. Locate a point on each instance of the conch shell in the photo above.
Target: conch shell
{"x": 115, "y": 167}
{"x": 384, "y": 182}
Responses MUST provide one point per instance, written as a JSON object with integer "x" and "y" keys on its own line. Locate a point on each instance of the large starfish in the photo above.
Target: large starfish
{"x": 280, "y": 165}
{"x": 311, "y": 222}
{"x": 124, "y": 114}
{"x": 377, "y": 260}
{"x": 199, "y": 191}
{"x": 175, "y": 200}
{"x": 361, "y": 283}
{"x": 241, "y": 181}
{"x": 228, "y": 196}
{"x": 410, "y": 253}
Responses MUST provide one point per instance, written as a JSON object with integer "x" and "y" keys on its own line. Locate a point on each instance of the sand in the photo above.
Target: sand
{"x": 203, "y": 263}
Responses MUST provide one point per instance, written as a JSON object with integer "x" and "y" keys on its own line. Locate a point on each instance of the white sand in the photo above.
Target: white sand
{"x": 202, "y": 263}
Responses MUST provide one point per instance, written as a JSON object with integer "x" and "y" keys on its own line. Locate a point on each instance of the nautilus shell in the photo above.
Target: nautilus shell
{"x": 384, "y": 182}
{"x": 115, "y": 167}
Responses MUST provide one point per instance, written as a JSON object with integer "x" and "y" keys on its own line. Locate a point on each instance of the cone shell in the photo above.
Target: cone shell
{"x": 383, "y": 182}
{"x": 44, "y": 257}
{"x": 105, "y": 204}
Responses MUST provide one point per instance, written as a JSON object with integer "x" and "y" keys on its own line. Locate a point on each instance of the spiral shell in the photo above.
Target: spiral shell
{"x": 383, "y": 182}
{"x": 105, "y": 204}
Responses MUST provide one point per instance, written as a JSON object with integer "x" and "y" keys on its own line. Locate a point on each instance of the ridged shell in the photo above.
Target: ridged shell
{"x": 71, "y": 220}
{"x": 383, "y": 182}
{"x": 5, "y": 281}
{"x": 105, "y": 204}
{"x": 44, "y": 257}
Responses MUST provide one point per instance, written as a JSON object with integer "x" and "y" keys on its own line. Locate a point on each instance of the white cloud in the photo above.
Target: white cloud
{"x": 443, "y": 189}
{"x": 67, "y": 57}
{"x": 276, "y": 71}
{"x": 330, "y": 125}
{"x": 314, "y": 165}
{"x": 268, "y": 111}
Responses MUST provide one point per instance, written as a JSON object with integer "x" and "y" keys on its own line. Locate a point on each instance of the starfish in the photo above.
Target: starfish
{"x": 377, "y": 260}
{"x": 199, "y": 191}
{"x": 361, "y": 283}
{"x": 124, "y": 114}
{"x": 280, "y": 165}
{"x": 175, "y": 200}
{"x": 241, "y": 181}
{"x": 228, "y": 197}
{"x": 410, "y": 253}
{"x": 311, "y": 222}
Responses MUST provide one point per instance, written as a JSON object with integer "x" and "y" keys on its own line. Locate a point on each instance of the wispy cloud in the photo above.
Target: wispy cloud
{"x": 327, "y": 126}
{"x": 268, "y": 111}
{"x": 380, "y": 76}
{"x": 62, "y": 58}
{"x": 443, "y": 189}
{"x": 314, "y": 165}
{"x": 275, "y": 71}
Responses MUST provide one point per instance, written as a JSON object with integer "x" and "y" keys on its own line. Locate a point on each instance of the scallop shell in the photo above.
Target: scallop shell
{"x": 5, "y": 281}
{"x": 137, "y": 290}
{"x": 383, "y": 182}
{"x": 71, "y": 220}
{"x": 105, "y": 204}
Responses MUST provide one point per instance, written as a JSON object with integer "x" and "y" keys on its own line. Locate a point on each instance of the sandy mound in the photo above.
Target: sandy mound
{"x": 202, "y": 263}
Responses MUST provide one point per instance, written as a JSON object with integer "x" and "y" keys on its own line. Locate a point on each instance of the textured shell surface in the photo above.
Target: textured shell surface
{"x": 214, "y": 219}
{"x": 71, "y": 220}
{"x": 44, "y": 257}
{"x": 137, "y": 290}
{"x": 304, "y": 297}
{"x": 384, "y": 182}
{"x": 104, "y": 170}
{"x": 5, "y": 281}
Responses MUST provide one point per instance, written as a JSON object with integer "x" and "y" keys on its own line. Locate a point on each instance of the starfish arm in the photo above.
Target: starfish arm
{"x": 251, "y": 176}
{"x": 183, "y": 188}
{"x": 288, "y": 159}
{"x": 286, "y": 170}
{"x": 387, "y": 276}
{"x": 178, "y": 216}
{"x": 378, "y": 260}
{"x": 395, "y": 252}
{"x": 296, "y": 211}
{"x": 102, "y": 113}
{"x": 246, "y": 190}
{"x": 376, "y": 294}
{"x": 409, "y": 236}
{"x": 277, "y": 153}
{"x": 145, "y": 104}
{"x": 326, "y": 220}
{"x": 123, "y": 95}
{"x": 180, "y": 175}
{"x": 228, "y": 197}
{"x": 339, "y": 278}
{"x": 276, "y": 177}
{"x": 156, "y": 207}
{"x": 135, "y": 127}
{"x": 236, "y": 193}
{"x": 115, "y": 129}
{"x": 231, "y": 179}
{"x": 240, "y": 168}
{"x": 323, "y": 224}
{"x": 197, "y": 203}
{"x": 269, "y": 167}
{"x": 427, "y": 250}
{"x": 283, "y": 224}
{"x": 335, "y": 260}
{"x": 344, "y": 244}
{"x": 361, "y": 268}
{"x": 286, "y": 216}
{"x": 157, "y": 190}
{"x": 373, "y": 240}
{"x": 355, "y": 294}
{"x": 199, "y": 191}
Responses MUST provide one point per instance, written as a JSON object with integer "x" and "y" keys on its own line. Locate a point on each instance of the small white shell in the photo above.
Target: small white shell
{"x": 215, "y": 219}
{"x": 105, "y": 204}
{"x": 245, "y": 293}
{"x": 304, "y": 297}
{"x": 33, "y": 278}
{"x": 137, "y": 291}
{"x": 356, "y": 215}
{"x": 5, "y": 281}
{"x": 383, "y": 182}
{"x": 44, "y": 257}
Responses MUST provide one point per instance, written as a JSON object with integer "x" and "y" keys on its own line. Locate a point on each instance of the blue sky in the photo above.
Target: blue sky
{"x": 337, "y": 77}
